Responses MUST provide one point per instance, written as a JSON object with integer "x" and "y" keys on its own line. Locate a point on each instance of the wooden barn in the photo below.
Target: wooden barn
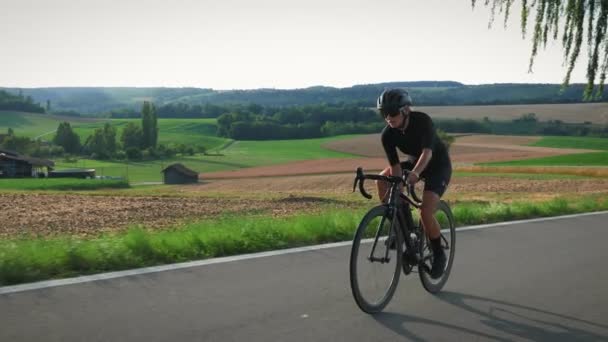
{"x": 14, "y": 165}
{"x": 179, "y": 174}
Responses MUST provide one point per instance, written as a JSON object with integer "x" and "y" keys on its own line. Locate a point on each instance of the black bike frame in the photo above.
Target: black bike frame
{"x": 397, "y": 200}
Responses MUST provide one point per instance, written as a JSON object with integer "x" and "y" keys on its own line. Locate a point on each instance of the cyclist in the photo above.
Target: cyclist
{"x": 414, "y": 134}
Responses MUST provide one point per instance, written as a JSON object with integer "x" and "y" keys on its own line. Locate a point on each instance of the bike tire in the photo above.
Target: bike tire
{"x": 446, "y": 221}
{"x": 360, "y": 280}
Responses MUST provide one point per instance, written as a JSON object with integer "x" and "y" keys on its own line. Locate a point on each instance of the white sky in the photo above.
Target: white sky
{"x": 242, "y": 44}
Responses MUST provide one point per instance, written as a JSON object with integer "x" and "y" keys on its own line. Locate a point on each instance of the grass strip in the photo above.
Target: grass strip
{"x": 61, "y": 184}
{"x": 27, "y": 260}
{"x": 600, "y": 172}
{"x": 581, "y": 159}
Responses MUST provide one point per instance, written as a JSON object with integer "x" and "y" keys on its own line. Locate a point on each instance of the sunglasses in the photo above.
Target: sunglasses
{"x": 392, "y": 114}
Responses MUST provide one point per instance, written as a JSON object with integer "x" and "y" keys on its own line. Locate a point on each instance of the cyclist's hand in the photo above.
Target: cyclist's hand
{"x": 412, "y": 178}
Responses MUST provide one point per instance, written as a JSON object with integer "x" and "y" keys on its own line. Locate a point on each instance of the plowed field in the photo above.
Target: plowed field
{"x": 79, "y": 215}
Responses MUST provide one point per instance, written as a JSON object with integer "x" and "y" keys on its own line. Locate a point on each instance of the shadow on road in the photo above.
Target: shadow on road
{"x": 518, "y": 321}
{"x": 398, "y": 323}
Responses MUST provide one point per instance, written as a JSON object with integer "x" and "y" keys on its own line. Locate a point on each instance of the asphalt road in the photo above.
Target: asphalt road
{"x": 541, "y": 281}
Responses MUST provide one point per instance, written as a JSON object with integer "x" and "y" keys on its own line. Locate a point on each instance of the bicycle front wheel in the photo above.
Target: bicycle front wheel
{"x": 375, "y": 260}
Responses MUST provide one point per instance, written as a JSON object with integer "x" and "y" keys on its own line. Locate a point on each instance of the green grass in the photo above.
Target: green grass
{"x": 61, "y": 184}
{"x": 582, "y": 159}
{"x": 171, "y": 131}
{"x": 240, "y": 154}
{"x": 531, "y": 176}
{"x": 259, "y": 153}
{"x": 573, "y": 142}
{"x": 27, "y": 260}
{"x": 34, "y": 125}
{"x": 190, "y": 132}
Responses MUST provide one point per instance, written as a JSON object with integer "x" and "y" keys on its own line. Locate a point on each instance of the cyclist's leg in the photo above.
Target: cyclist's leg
{"x": 383, "y": 187}
{"x": 430, "y": 200}
{"x": 434, "y": 187}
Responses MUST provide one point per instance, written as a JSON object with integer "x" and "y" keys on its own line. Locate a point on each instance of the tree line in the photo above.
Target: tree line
{"x": 19, "y": 103}
{"x": 122, "y": 102}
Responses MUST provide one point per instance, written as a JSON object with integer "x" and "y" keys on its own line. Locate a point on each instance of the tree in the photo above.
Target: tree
{"x": 66, "y": 138}
{"x": 48, "y": 106}
{"x": 149, "y": 125}
{"x": 577, "y": 18}
{"x": 153, "y": 127}
{"x": 131, "y": 137}
{"x": 96, "y": 145}
{"x": 109, "y": 135}
{"x": 146, "y": 124}
{"x": 10, "y": 131}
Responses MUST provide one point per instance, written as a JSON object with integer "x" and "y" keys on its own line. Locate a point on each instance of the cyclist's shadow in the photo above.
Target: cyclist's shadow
{"x": 518, "y": 321}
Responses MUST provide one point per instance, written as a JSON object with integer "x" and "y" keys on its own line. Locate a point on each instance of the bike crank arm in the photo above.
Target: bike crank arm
{"x": 381, "y": 260}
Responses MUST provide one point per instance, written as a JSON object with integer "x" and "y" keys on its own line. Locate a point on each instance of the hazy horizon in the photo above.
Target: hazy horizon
{"x": 272, "y": 44}
{"x": 297, "y": 88}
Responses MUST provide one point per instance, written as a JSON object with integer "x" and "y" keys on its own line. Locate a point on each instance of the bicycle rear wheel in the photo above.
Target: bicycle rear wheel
{"x": 448, "y": 242}
{"x": 375, "y": 264}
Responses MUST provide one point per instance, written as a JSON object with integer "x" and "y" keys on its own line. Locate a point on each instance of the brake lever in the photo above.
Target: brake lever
{"x": 360, "y": 178}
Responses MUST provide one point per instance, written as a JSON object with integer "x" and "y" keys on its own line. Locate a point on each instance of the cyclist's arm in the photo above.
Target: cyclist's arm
{"x": 423, "y": 161}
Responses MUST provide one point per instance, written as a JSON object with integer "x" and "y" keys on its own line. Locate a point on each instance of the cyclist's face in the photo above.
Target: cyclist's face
{"x": 396, "y": 120}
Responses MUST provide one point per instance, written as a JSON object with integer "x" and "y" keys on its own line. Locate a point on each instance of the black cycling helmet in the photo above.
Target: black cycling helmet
{"x": 391, "y": 100}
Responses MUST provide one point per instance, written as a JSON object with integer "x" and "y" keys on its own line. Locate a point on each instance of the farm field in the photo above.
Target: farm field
{"x": 466, "y": 150}
{"x": 596, "y": 113}
{"x": 36, "y": 125}
{"x": 305, "y": 197}
{"x": 238, "y": 155}
{"x": 190, "y": 132}
{"x": 90, "y": 214}
{"x": 573, "y": 142}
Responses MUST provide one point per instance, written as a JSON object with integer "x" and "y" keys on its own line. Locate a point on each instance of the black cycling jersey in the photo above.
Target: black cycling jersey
{"x": 419, "y": 134}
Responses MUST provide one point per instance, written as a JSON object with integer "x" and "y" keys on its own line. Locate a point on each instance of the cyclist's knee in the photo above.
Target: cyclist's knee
{"x": 385, "y": 172}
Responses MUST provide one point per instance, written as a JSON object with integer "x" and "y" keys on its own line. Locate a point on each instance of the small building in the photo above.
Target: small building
{"x": 14, "y": 165}
{"x": 73, "y": 173}
{"x": 179, "y": 174}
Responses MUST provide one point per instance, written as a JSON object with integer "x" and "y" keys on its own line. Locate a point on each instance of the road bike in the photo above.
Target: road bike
{"x": 388, "y": 241}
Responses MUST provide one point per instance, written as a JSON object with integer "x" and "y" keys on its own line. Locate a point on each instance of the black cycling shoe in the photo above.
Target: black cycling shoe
{"x": 439, "y": 261}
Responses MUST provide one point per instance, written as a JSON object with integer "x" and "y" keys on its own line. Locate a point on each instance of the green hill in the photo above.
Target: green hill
{"x": 94, "y": 101}
{"x": 171, "y": 131}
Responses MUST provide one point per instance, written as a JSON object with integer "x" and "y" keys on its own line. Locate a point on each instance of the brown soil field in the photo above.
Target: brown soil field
{"x": 27, "y": 214}
{"x": 341, "y": 184}
{"x": 46, "y": 215}
{"x": 574, "y": 113}
{"x": 307, "y": 167}
{"x": 465, "y": 149}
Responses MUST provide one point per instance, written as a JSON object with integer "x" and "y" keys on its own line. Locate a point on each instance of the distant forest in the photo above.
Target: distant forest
{"x": 19, "y": 103}
{"x": 200, "y": 101}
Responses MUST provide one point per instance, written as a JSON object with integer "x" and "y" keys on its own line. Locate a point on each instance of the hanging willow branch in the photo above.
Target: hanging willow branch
{"x": 571, "y": 16}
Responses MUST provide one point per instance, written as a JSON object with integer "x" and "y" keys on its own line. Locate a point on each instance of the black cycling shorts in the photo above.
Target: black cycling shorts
{"x": 436, "y": 179}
